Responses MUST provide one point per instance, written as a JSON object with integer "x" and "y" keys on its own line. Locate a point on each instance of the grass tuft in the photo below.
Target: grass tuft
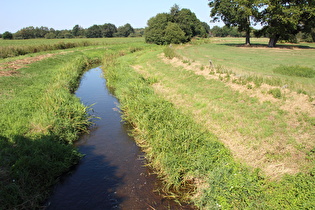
{"x": 170, "y": 53}
{"x": 275, "y": 92}
{"x": 298, "y": 71}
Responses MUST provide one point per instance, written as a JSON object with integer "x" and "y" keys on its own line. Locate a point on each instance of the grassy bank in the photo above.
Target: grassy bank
{"x": 231, "y": 136}
{"x": 184, "y": 153}
{"x": 12, "y": 48}
{"x": 39, "y": 119}
{"x": 182, "y": 119}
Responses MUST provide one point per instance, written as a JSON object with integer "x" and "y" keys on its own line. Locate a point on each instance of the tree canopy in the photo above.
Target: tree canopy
{"x": 7, "y": 35}
{"x": 125, "y": 30}
{"x": 282, "y": 19}
{"x": 285, "y": 18}
{"x": 95, "y": 31}
{"x": 183, "y": 22}
{"x": 240, "y": 13}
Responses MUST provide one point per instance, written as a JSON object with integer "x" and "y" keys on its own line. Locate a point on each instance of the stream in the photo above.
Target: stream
{"x": 112, "y": 174}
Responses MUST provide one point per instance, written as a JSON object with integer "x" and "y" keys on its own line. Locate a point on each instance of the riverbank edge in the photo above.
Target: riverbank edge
{"x": 35, "y": 152}
{"x": 194, "y": 165}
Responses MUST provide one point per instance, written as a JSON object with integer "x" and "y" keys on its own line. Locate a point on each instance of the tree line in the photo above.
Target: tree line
{"x": 280, "y": 19}
{"x": 227, "y": 31}
{"x": 95, "y": 31}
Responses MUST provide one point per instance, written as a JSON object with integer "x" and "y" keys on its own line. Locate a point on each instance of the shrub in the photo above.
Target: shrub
{"x": 170, "y": 53}
{"x": 298, "y": 71}
{"x": 276, "y": 92}
{"x": 7, "y": 35}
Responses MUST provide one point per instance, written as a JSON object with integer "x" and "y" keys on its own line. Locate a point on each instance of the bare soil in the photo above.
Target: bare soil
{"x": 9, "y": 68}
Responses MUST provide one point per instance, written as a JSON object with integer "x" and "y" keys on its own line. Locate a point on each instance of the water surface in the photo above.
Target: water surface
{"x": 112, "y": 174}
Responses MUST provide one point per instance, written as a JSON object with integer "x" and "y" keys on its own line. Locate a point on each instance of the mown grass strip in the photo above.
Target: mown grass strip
{"x": 193, "y": 163}
{"x": 187, "y": 157}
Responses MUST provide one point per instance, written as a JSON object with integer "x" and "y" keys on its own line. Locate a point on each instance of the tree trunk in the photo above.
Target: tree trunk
{"x": 247, "y": 37}
{"x": 248, "y": 31}
{"x": 273, "y": 41}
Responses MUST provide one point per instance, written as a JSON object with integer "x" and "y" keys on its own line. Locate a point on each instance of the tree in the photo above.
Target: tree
{"x": 183, "y": 18}
{"x": 189, "y": 23}
{"x": 50, "y": 35}
{"x": 77, "y": 31}
{"x": 174, "y": 34}
{"x": 25, "y": 33}
{"x": 155, "y": 31}
{"x": 94, "y": 32}
{"x": 240, "y": 13}
{"x": 284, "y": 18}
{"x": 206, "y": 27}
{"x": 7, "y": 35}
{"x": 108, "y": 30}
{"x": 125, "y": 31}
{"x": 40, "y": 32}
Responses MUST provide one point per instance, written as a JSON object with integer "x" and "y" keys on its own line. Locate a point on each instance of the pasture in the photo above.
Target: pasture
{"x": 237, "y": 134}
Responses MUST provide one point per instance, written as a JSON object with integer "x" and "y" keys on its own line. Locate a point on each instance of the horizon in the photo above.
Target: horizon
{"x": 64, "y": 15}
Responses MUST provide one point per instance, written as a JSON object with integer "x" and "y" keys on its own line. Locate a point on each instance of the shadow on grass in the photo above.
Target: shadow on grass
{"x": 279, "y": 46}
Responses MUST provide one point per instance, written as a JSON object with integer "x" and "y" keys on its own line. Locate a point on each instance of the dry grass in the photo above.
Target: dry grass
{"x": 277, "y": 154}
{"x": 20, "y": 63}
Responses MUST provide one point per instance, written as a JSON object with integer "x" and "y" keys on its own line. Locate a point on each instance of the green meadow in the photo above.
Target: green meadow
{"x": 236, "y": 134}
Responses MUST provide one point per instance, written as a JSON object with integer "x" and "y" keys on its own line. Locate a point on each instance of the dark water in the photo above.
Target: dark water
{"x": 111, "y": 175}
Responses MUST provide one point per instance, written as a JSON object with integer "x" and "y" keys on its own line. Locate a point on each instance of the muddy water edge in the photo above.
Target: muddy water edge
{"x": 111, "y": 175}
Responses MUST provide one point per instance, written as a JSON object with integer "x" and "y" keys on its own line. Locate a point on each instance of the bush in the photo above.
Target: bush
{"x": 7, "y": 35}
{"x": 298, "y": 71}
{"x": 170, "y": 53}
{"x": 276, "y": 93}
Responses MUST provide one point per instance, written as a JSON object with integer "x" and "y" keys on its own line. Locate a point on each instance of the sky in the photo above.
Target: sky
{"x": 65, "y": 14}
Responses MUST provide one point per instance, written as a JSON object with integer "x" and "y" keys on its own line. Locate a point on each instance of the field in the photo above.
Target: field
{"x": 235, "y": 133}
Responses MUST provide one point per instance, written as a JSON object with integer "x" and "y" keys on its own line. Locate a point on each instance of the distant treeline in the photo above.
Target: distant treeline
{"x": 95, "y": 31}
{"x": 226, "y": 31}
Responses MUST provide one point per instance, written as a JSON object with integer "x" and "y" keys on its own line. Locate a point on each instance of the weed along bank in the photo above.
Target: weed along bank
{"x": 172, "y": 132}
{"x": 112, "y": 173}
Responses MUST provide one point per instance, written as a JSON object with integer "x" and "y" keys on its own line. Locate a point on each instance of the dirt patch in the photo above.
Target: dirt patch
{"x": 8, "y": 73}
{"x": 17, "y": 64}
{"x": 293, "y": 102}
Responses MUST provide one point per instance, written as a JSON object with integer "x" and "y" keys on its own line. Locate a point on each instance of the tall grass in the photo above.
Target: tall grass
{"x": 193, "y": 163}
{"x": 299, "y": 71}
{"x": 182, "y": 152}
{"x": 39, "y": 119}
{"x": 170, "y": 53}
{"x": 11, "y": 51}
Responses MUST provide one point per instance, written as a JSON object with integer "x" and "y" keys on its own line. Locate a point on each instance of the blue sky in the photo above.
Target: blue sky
{"x": 64, "y": 14}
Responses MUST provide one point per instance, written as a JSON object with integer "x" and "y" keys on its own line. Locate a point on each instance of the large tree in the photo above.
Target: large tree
{"x": 125, "y": 30}
{"x": 77, "y": 31}
{"x": 155, "y": 31}
{"x": 7, "y": 35}
{"x": 94, "y": 31}
{"x": 240, "y": 13}
{"x": 181, "y": 20}
{"x": 285, "y": 18}
{"x": 108, "y": 30}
